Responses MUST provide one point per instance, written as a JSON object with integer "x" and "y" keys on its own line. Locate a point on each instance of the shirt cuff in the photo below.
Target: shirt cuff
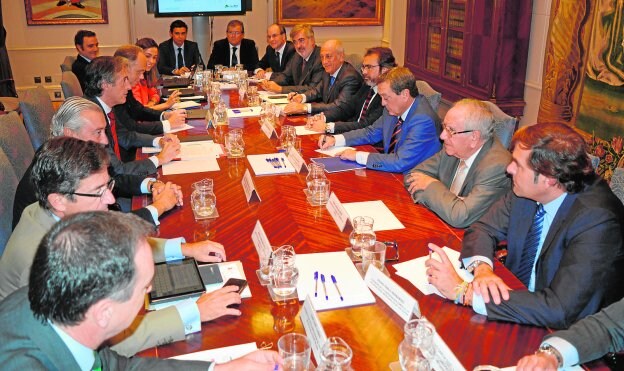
{"x": 331, "y": 126}
{"x": 309, "y": 107}
{"x": 166, "y": 126}
{"x": 173, "y": 249}
{"x": 361, "y": 157}
{"x": 478, "y": 305}
{"x": 156, "y": 142}
{"x": 155, "y": 161}
{"x": 189, "y": 313}
{"x": 211, "y": 367}
{"x": 162, "y": 116}
{"x": 568, "y": 352}
{"x": 340, "y": 140}
{"x": 144, "y": 184}
{"x": 267, "y": 75}
{"x": 256, "y": 70}
{"x": 154, "y": 213}
{"x": 472, "y": 259}
{"x": 303, "y": 98}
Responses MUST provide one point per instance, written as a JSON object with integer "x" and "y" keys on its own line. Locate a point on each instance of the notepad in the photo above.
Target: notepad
{"x": 336, "y": 164}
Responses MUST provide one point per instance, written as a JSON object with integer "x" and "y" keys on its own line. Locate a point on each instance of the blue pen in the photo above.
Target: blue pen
{"x": 316, "y": 284}
{"x": 337, "y": 288}
{"x": 324, "y": 288}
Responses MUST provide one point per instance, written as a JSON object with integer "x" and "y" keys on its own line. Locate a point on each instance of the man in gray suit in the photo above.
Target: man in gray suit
{"x": 588, "y": 339}
{"x": 82, "y": 184}
{"x": 460, "y": 182}
{"x": 60, "y": 324}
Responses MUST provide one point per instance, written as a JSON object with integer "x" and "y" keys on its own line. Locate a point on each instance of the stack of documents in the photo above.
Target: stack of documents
{"x": 383, "y": 217}
{"x": 220, "y": 355}
{"x": 186, "y": 104}
{"x": 195, "y": 157}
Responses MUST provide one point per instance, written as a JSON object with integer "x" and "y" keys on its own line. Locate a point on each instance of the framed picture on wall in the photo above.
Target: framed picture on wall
{"x": 40, "y": 12}
{"x": 330, "y": 13}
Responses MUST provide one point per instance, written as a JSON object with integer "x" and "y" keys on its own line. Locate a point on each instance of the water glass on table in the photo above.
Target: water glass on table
{"x": 374, "y": 255}
{"x": 295, "y": 351}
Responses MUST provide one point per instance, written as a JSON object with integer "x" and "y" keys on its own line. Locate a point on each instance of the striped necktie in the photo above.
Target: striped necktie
{"x": 396, "y": 134}
{"x": 530, "y": 246}
{"x": 113, "y": 129}
{"x": 369, "y": 97}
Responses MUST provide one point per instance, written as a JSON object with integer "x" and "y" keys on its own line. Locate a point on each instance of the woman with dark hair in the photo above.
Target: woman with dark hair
{"x": 145, "y": 90}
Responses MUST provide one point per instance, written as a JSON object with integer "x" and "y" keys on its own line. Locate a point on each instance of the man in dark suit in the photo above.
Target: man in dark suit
{"x": 407, "y": 128}
{"x": 107, "y": 85}
{"x": 304, "y": 69}
{"x": 234, "y": 49}
{"x": 564, "y": 233}
{"x": 278, "y": 52}
{"x": 88, "y": 48}
{"x": 52, "y": 325}
{"x": 367, "y": 102}
{"x": 334, "y": 94}
{"x": 587, "y": 340}
{"x": 460, "y": 182}
{"x": 177, "y": 55}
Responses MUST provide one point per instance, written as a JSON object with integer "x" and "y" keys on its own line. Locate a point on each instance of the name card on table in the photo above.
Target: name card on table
{"x": 268, "y": 130}
{"x": 339, "y": 213}
{"x": 261, "y": 242}
{"x": 296, "y": 160}
{"x": 313, "y": 328}
{"x": 391, "y": 293}
{"x": 249, "y": 187}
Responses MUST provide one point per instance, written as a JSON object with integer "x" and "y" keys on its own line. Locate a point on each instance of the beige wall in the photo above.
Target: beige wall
{"x": 38, "y": 50}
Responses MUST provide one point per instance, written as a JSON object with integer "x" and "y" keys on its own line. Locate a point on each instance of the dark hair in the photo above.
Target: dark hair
{"x": 152, "y": 76}
{"x": 61, "y": 163}
{"x": 83, "y": 259}
{"x": 384, "y": 55}
{"x": 557, "y": 151}
{"x": 235, "y": 22}
{"x": 178, "y": 23}
{"x": 400, "y": 78}
{"x": 102, "y": 69}
{"x": 80, "y": 35}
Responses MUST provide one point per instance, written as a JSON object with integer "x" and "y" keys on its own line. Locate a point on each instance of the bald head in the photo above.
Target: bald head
{"x": 332, "y": 56}
{"x": 276, "y": 36}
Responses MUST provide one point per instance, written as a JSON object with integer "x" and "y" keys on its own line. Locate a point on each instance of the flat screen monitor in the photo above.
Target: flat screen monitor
{"x": 190, "y": 8}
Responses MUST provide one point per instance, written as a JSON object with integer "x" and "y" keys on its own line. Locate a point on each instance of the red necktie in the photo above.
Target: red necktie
{"x": 113, "y": 126}
{"x": 395, "y": 135}
{"x": 369, "y": 97}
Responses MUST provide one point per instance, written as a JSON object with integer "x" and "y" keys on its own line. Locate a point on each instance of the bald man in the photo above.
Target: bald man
{"x": 278, "y": 52}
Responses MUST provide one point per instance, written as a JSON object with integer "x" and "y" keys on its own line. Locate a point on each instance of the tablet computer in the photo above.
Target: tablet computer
{"x": 175, "y": 280}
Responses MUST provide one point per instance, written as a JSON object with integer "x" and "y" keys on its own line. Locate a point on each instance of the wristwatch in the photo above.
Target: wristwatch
{"x": 549, "y": 349}
{"x": 327, "y": 128}
{"x": 472, "y": 266}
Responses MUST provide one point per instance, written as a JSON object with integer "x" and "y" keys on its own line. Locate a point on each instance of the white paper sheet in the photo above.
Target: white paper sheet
{"x": 185, "y": 104}
{"x": 415, "y": 271}
{"x": 193, "y": 97}
{"x": 244, "y": 112}
{"x": 200, "y": 149}
{"x": 384, "y": 218}
{"x": 332, "y": 151}
{"x": 219, "y": 355}
{"x": 352, "y": 286}
{"x": 261, "y": 166}
{"x": 227, "y": 86}
{"x": 301, "y": 130}
{"x": 199, "y": 165}
{"x": 181, "y": 128}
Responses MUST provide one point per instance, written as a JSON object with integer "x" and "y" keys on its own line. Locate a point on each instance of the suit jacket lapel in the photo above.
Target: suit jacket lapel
{"x": 558, "y": 222}
{"x": 522, "y": 214}
{"x": 471, "y": 172}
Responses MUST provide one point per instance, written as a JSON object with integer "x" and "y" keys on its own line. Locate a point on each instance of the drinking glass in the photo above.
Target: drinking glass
{"x": 416, "y": 351}
{"x": 288, "y": 137}
{"x": 295, "y": 351}
{"x": 315, "y": 171}
{"x": 336, "y": 355}
{"x": 203, "y": 199}
{"x": 283, "y": 272}
{"x": 234, "y": 143}
{"x": 215, "y": 93}
{"x": 374, "y": 255}
{"x": 362, "y": 234}
{"x": 220, "y": 114}
{"x": 319, "y": 191}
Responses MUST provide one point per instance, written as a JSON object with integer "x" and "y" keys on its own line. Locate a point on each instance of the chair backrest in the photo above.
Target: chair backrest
{"x": 427, "y": 91}
{"x": 8, "y": 186}
{"x": 37, "y": 108}
{"x": 505, "y": 125}
{"x": 70, "y": 85}
{"x": 67, "y": 63}
{"x": 15, "y": 143}
{"x": 355, "y": 60}
{"x": 617, "y": 183}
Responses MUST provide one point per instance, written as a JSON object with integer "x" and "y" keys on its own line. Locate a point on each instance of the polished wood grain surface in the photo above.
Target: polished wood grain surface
{"x": 373, "y": 331}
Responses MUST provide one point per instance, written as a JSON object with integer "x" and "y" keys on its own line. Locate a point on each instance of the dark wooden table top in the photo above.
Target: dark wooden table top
{"x": 373, "y": 331}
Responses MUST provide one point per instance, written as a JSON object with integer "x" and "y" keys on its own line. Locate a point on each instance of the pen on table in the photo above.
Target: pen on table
{"x": 323, "y": 141}
{"x": 276, "y": 367}
{"x": 316, "y": 284}
{"x": 337, "y": 288}
{"x": 324, "y": 287}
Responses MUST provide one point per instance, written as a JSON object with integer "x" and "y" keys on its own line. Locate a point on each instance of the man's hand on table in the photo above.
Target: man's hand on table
{"x": 260, "y": 360}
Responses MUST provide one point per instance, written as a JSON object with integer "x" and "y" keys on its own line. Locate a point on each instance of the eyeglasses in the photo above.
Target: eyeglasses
{"x": 234, "y": 33}
{"x": 109, "y": 186}
{"x": 369, "y": 66}
{"x": 452, "y": 132}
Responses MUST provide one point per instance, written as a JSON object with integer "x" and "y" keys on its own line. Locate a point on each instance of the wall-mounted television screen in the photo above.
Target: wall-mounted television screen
{"x": 189, "y": 8}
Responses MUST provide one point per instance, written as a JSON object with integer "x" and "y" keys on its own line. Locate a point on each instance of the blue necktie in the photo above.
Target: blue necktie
{"x": 530, "y": 246}
{"x": 332, "y": 79}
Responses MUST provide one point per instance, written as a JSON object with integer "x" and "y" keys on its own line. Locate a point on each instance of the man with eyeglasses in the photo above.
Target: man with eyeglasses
{"x": 304, "y": 69}
{"x": 234, "y": 49}
{"x": 563, "y": 227}
{"x": 377, "y": 61}
{"x": 278, "y": 52}
{"x": 407, "y": 128}
{"x": 461, "y": 181}
{"x": 178, "y": 55}
{"x": 70, "y": 176}
{"x": 333, "y": 96}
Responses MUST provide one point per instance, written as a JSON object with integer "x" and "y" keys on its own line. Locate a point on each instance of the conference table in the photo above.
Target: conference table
{"x": 372, "y": 331}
